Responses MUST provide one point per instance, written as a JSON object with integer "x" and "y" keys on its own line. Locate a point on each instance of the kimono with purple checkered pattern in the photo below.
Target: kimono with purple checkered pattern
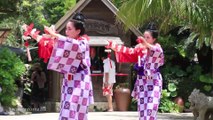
{"x": 71, "y": 57}
{"x": 148, "y": 86}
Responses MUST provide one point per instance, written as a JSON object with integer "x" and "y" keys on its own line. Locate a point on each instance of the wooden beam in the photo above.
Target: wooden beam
{"x": 3, "y": 33}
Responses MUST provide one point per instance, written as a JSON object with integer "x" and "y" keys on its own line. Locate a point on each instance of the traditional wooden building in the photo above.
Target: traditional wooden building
{"x": 101, "y": 25}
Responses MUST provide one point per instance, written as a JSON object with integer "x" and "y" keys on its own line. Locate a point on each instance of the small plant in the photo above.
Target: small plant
{"x": 96, "y": 109}
{"x": 167, "y": 105}
{"x": 197, "y": 75}
{"x": 26, "y": 80}
{"x": 133, "y": 106}
{"x": 122, "y": 85}
{"x": 187, "y": 105}
{"x": 207, "y": 79}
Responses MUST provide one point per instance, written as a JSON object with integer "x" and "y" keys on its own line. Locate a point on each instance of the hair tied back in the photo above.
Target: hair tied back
{"x": 151, "y": 26}
{"x": 79, "y": 17}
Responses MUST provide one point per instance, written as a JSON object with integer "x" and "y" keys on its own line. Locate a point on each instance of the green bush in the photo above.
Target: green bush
{"x": 11, "y": 68}
{"x": 166, "y": 103}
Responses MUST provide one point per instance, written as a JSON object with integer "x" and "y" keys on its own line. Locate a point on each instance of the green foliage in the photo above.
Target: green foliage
{"x": 55, "y": 9}
{"x": 33, "y": 11}
{"x": 26, "y": 79}
{"x": 133, "y": 106}
{"x": 207, "y": 78}
{"x": 193, "y": 15}
{"x": 172, "y": 89}
{"x": 187, "y": 104}
{"x": 122, "y": 85}
{"x": 8, "y": 6}
{"x": 68, "y": 4}
{"x": 166, "y": 103}
{"x": 145, "y": 11}
{"x": 181, "y": 70}
{"x": 118, "y": 3}
{"x": 14, "y": 38}
{"x": 39, "y": 12}
{"x": 11, "y": 68}
{"x": 198, "y": 18}
{"x": 195, "y": 73}
{"x": 96, "y": 109}
{"x": 171, "y": 76}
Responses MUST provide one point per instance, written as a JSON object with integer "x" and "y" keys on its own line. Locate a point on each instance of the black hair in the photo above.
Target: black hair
{"x": 105, "y": 55}
{"x": 151, "y": 27}
{"x": 79, "y": 23}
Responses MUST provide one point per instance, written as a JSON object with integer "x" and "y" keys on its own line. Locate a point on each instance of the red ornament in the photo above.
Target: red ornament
{"x": 26, "y": 43}
{"x": 45, "y": 47}
{"x": 29, "y": 29}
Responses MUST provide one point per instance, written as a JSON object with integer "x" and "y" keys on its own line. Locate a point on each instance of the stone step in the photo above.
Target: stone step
{"x": 101, "y": 116}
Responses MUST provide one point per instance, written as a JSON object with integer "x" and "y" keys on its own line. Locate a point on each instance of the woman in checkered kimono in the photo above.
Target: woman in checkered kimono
{"x": 71, "y": 57}
{"x": 148, "y": 86}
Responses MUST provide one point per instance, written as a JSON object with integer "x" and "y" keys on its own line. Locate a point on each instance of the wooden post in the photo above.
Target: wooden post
{"x": 55, "y": 82}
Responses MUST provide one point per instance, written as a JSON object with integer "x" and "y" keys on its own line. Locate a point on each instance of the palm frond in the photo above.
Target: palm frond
{"x": 196, "y": 15}
{"x": 139, "y": 12}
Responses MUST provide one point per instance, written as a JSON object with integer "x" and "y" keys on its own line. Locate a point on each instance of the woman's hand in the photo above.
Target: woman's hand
{"x": 140, "y": 45}
{"x": 143, "y": 41}
{"x": 140, "y": 39}
{"x": 106, "y": 84}
{"x": 111, "y": 45}
{"x": 51, "y": 30}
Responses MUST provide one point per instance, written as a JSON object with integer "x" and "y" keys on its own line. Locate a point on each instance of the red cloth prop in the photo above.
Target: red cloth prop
{"x": 45, "y": 42}
{"x": 45, "y": 47}
{"x": 26, "y": 44}
{"x": 127, "y": 55}
{"x": 28, "y": 29}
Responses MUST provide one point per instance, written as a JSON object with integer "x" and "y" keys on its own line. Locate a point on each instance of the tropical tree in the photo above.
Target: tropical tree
{"x": 40, "y": 12}
{"x": 193, "y": 15}
{"x": 55, "y": 9}
{"x": 8, "y": 6}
